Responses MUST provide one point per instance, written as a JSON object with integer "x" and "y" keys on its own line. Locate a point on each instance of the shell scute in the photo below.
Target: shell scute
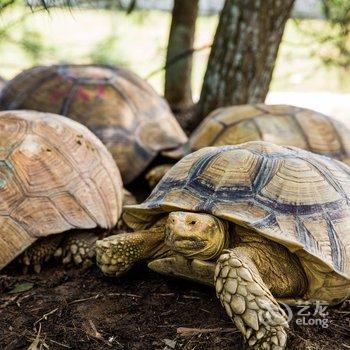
{"x": 40, "y": 167}
{"x": 29, "y": 214}
{"x": 11, "y": 192}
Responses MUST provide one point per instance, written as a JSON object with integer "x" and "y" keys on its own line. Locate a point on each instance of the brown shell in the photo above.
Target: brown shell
{"x": 279, "y": 124}
{"x": 55, "y": 175}
{"x": 129, "y": 117}
{"x": 296, "y": 198}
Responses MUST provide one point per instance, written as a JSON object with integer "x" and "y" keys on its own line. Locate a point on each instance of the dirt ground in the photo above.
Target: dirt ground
{"x": 74, "y": 309}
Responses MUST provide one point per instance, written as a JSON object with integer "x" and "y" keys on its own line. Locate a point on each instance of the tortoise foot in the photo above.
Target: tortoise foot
{"x": 118, "y": 253}
{"x": 78, "y": 249}
{"x": 249, "y": 303}
{"x": 40, "y": 252}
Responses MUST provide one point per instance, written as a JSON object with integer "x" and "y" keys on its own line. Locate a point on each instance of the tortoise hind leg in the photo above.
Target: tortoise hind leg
{"x": 246, "y": 287}
{"x": 78, "y": 248}
{"x": 39, "y": 252}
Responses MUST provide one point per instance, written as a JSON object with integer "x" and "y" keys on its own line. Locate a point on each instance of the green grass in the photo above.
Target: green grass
{"x": 138, "y": 41}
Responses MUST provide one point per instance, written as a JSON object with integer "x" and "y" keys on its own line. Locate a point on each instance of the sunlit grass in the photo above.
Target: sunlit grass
{"x": 139, "y": 41}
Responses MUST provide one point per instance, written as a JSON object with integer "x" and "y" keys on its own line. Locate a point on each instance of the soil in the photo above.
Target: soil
{"x": 75, "y": 309}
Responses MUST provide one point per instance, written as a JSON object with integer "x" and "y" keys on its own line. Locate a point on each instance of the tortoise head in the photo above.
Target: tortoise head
{"x": 196, "y": 235}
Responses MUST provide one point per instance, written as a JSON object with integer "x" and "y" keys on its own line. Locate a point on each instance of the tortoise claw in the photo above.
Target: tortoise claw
{"x": 37, "y": 268}
{"x": 79, "y": 248}
{"x": 58, "y": 253}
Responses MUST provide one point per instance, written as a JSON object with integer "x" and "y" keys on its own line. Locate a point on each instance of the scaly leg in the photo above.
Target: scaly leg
{"x": 78, "y": 248}
{"x": 247, "y": 280}
{"x": 39, "y": 252}
{"x": 178, "y": 266}
{"x": 249, "y": 303}
{"x": 118, "y": 253}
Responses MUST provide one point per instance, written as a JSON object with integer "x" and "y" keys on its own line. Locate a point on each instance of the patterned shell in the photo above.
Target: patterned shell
{"x": 55, "y": 175}
{"x": 123, "y": 110}
{"x": 279, "y": 124}
{"x": 293, "y": 197}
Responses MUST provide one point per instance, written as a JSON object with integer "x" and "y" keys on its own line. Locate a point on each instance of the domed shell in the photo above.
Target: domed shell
{"x": 279, "y": 124}
{"x": 123, "y": 110}
{"x": 55, "y": 175}
{"x": 293, "y": 197}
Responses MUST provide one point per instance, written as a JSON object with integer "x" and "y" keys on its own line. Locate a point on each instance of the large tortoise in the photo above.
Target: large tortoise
{"x": 260, "y": 221}
{"x": 55, "y": 176}
{"x": 123, "y": 110}
{"x": 280, "y": 124}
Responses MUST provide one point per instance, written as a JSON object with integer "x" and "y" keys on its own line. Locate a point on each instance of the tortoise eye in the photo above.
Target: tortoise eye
{"x": 193, "y": 222}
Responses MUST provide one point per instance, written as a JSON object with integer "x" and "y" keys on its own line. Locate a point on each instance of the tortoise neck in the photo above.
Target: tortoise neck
{"x": 223, "y": 226}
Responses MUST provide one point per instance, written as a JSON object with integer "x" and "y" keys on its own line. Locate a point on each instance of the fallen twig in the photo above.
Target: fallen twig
{"x": 124, "y": 295}
{"x": 164, "y": 294}
{"x": 191, "y": 297}
{"x": 44, "y": 317}
{"x": 190, "y": 332}
{"x": 38, "y": 343}
{"x": 84, "y": 299}
{"x": 94, "y": 333}
{"x": 9, "y": 301}
{"x": 58, "y": 343}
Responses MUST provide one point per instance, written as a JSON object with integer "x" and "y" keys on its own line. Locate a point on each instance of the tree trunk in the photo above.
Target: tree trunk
{"x": 243, "y": 55}
{"x": 178, "y": 72}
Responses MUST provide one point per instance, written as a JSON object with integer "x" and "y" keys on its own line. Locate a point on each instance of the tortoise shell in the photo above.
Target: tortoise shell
{"x": 123, "y": 110}
{"x": 294, "y": 197}
{"x": 55, "y": 175}
{"x": 279, "y": 124}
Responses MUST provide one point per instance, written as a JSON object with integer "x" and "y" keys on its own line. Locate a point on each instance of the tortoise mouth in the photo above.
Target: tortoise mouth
{"x": 190, "y": 242}
{"x": 172, "y": 240}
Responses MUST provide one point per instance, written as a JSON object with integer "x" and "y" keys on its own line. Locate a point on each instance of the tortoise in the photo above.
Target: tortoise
{"x": 55, "y": 177}
{"x": 124, "y": 111}
{"x": 279, "y": 124}
{"x": 263, "y": 223}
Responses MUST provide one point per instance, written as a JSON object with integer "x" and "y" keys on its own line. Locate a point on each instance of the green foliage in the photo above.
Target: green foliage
{"x": 14, "y": 32}
{"x": 21, "y": 287}
{"x": 108, "y": 52}
{"x": 33, "y": 44}
{"x": 337, "y": 13}
{"x": 331, "y": 44}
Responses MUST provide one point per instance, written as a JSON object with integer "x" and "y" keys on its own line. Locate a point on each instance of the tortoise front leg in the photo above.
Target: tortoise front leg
{"x": 118, "y": 253}
{"x": 249, "y": 302}
{"x": 178, "y": 266}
